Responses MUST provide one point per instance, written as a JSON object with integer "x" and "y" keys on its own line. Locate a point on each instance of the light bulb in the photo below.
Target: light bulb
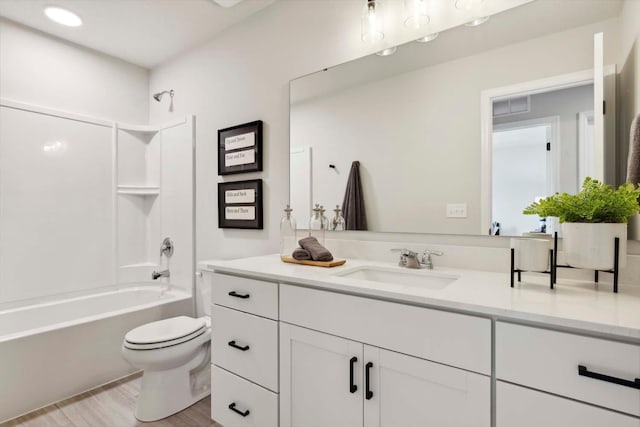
{"x": 428, "y": 38}
{"x": 417, "y": 13}
{"x": 372, "y": 22}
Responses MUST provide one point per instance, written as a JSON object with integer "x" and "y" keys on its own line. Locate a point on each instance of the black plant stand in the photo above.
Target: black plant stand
{"x": 553, "y": 264}
{"x": 616, "y": 263}
{"x": 550, "y": 272}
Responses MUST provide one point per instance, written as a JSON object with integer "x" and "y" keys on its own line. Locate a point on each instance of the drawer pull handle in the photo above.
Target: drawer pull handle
{"x": 237, "y": 295}
{"x": 234, "y": 345}
{"x": 233, "y": 408}
{"x": 352, "y": 387}
{"x": 367, "y": 381}
{"x": 583, "y": 371}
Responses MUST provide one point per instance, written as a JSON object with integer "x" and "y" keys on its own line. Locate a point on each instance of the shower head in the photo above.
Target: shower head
{"x": 158, "y": 96}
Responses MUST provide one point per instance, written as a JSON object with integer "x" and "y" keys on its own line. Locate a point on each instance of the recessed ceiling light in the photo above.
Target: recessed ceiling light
{"x": 428, "y": 38}
{"x": 478, "y": 21}
{"x": 388, "y": 51}
{"x": 62, "y": 16}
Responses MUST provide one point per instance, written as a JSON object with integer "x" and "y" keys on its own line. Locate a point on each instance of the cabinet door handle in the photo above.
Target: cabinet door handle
{"x": 367, "y": 381}
{"x": 352, "y": 387}
{"x": 232, "y": 406}
{"x": 583, "y": 371}
{"x": 237, "y": 295}
{"x": 234, "y": 345}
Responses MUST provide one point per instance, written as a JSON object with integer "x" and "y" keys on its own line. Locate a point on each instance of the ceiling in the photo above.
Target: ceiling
{"x": 143, "y": 32}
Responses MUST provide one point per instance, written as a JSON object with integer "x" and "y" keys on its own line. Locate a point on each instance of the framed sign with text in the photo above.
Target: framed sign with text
{"x": 240, "y": 204}
{"x": 240, "y": 148}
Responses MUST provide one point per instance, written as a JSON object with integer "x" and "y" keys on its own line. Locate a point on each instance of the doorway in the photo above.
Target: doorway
{"x": 524, "y": 170}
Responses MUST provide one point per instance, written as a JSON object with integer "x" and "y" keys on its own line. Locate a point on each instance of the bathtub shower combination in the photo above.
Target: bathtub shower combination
{"x": 85, "y": 204}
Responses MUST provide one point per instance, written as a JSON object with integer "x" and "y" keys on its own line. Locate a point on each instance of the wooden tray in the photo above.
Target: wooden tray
{"x": 328, "y": 264}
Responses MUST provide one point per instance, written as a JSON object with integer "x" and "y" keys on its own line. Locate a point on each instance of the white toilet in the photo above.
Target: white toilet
{"x": 174, "y": 355}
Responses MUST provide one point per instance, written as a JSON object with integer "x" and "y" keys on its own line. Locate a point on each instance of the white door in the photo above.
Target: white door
{"x": 523, "y": 407}
{"x": 406, "y": 391}
{"x": 318, "y": 373}
{"x": 522, "y": 172}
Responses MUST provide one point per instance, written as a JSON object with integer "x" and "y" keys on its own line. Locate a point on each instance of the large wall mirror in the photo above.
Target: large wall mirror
{"x": 457, "y": 135}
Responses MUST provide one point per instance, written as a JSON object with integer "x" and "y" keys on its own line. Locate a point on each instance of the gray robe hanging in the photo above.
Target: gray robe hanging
{"x": 353, "y": 209}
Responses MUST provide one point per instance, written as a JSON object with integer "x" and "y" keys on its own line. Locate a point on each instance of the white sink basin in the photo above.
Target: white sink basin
{"x": 420, "y": 278}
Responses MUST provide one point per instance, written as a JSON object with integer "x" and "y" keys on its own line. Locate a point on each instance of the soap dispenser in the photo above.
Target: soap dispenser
{"x": 316, "y": 225}
{"x": 288, "y": 233}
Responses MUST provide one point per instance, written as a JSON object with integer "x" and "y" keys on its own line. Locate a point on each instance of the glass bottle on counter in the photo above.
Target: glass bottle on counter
{"x": 316, "y": 225}
{"x": 338, "y": 223}
{"x": 326, "y": 224}
{"x": 288, "y": 233}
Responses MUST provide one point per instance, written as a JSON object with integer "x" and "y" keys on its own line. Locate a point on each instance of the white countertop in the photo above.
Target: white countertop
{"x": 575, "y": 305}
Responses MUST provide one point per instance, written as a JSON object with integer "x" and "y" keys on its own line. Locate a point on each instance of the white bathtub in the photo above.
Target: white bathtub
{"x": 53, "y": 349}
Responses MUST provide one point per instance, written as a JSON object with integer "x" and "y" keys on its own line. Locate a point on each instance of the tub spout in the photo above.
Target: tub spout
{"x": 157, "y": 274}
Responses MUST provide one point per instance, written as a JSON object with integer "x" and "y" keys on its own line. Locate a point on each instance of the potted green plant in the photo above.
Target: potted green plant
{"x": 591, "y": 220}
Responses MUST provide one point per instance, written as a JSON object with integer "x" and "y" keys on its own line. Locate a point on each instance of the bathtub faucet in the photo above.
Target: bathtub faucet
{"x": 157, "y": 274}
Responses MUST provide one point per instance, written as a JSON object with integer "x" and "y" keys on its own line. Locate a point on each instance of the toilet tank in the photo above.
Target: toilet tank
{"x": 203, "y": 296}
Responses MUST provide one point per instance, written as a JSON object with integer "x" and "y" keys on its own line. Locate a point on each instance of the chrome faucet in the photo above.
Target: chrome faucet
{"x": 411, "y": 259}
{"x": 426, "y": 258}
{"x": 157, "y": 274}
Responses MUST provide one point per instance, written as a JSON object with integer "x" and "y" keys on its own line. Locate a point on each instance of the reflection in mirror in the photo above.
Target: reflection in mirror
{"x": 461, "y": 133}
{"x": 526, "y": 156}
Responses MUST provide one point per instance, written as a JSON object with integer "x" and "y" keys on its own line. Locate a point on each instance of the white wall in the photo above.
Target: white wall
{"x": 243, "y": 75}
{"x": 417, "y": 134}
{"x": 39, "y": 69}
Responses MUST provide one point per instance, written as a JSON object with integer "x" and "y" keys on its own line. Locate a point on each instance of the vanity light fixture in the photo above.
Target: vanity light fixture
{"x": 468, "y": 5}
{"x": 428, "y": 38}
{"x": 388, "y": 51}
{"x": 477, "y": 21}
{"x": 418, "y": 13}
{"x": 475, "y": 8}
{"x": 63, "y": 16}
{"x": 373, "y": 22}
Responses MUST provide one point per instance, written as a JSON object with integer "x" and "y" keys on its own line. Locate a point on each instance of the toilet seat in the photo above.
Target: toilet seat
{"x": 165, "y": 333}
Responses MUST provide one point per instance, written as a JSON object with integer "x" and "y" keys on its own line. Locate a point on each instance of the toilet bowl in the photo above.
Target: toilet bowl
{"x": 174, "y": 356}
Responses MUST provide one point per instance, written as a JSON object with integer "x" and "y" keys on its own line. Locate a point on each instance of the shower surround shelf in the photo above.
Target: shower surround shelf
{"x": 138, "y": 190}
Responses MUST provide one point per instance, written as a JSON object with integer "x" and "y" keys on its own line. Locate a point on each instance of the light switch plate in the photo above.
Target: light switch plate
{"x": 456, "y": 210}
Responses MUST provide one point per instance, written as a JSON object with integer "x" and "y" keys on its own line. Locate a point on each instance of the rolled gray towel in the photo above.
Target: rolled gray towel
{"x": 315, "y": 249}
{"x": 301, "y": 254}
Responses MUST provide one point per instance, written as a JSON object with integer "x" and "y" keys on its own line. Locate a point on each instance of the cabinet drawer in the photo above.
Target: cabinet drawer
{"x": 249, "y": 295}
{"x": 228, "y": 389}
{"x": 246, "y": 345}
{"x": 548, "y": 360}
{"x": 453, "y": 339}
{"x": 522, "y": 407}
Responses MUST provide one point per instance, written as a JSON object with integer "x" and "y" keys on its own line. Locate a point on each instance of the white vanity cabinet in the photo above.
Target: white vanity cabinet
{"x": 244, "y": 351}
{"x": 299, "y": 356}
{"x": 540, "y": 370}
{"x": 328, "y": 380}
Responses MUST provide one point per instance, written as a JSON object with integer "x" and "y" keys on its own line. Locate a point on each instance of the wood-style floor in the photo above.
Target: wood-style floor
{"x": 111, "y": 405}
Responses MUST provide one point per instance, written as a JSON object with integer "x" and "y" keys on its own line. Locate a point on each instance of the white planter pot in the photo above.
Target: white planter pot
{"x": 591, "y": 246}
{"x": 531, "y": 254}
